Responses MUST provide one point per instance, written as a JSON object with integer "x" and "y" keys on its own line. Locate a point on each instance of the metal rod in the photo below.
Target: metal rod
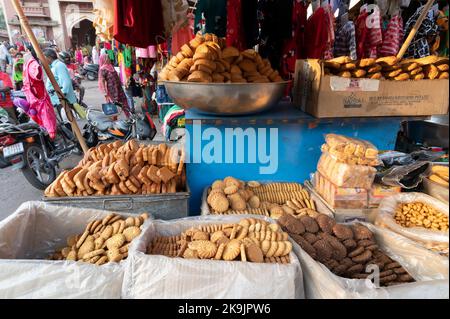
{"x": 26, "y": 27}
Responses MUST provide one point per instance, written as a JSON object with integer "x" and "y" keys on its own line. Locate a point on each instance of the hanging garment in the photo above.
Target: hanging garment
{"x": 235, "y": 32}
{"x": 420, "y": 46}
{"x": 345, "y": 43}
{"x": 174, "y": 13}
{"x": 393, "y": 37}
{"x": 215, "y": 12}
{"x": 104, "y": 18}
{"x": 361, "y": 33}
{"x": 38, "y": 98}
{"x": 329, "y": 22}
{"x": 316, "y": 35}
{"x": 276, "y": 27}
{"x": 182, "y": 34}
{"x": 134, "y": 26}
{"x": 374, "y": 37}
{"x": 250, "y": 22}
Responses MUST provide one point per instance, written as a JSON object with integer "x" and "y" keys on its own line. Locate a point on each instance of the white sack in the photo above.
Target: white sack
{"x": 151, "y": 276}
{"x": 429, "y": 270}
{"x": 33, "y": 233}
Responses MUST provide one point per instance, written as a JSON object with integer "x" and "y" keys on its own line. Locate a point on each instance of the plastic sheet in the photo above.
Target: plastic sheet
{"x": 344, "y": 175}
{"x": 429, "y": 269}
{"x": 430, "y": 239}
{"x": 351, "y": 151}
{"x": 151, "y": 276}
{"x": 34, "y": 232}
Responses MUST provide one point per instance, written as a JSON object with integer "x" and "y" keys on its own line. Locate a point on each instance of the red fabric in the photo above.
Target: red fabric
{"x": 5, "y": 98}
{"x": 393, "y": 37}
{"x": 235, "y": 31}
{"x": 329, "y": 21}
{"x": 375, "y": 35}
{"x": 182, "y": 35}
{"x": 316, "y": 35}
{"x": 138, "y": 22}
{"x": 37, "y": 96}
{"x": 361, "y": 34}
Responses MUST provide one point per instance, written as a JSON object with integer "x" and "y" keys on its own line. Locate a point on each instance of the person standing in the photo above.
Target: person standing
{"x": 18, "y": 72}
{"x": 5, "y": 95}
{"x": 79, "y": 55}
{"x": 62, "y": 77}
{"x": 4, "y": 56}
{"x": 95, "y": 55}
{"x": 109, "y": 83}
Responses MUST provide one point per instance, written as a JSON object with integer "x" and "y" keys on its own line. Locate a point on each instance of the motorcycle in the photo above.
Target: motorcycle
{"x": 104, "y": 125}
{"x": 90, "y": 71}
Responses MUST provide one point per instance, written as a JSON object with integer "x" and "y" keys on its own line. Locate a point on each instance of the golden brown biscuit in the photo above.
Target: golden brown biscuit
{"x": 232, "y": 250}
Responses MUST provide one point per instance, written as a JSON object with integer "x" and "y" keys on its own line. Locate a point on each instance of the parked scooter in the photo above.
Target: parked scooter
{"x": 104, "y": 125}
{"x": 90, "y": 71}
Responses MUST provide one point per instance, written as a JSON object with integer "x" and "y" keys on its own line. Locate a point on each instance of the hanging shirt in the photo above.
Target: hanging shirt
{"x": 329, "y": 22}
{"x": 235, "y": 32}
{"x": 419, "y": 46}
{"x": 215, "y": 12}
{"x": 361, "y": 34}
{"x": 345, "y": 43}
{"x": 182, "y": 33}
{"x": 5, "y": 98}
{"x": 393, "y": 37}
{"x": 374, "y": 34}
{"x": 38, "y": 98}
{"x": 95, "y": 55}
{"x": 138, "y": 22}
{"x": 316, "y": 35}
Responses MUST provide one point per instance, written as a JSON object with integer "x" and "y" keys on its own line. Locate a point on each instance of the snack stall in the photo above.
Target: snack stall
{"x": 296, "y": 182}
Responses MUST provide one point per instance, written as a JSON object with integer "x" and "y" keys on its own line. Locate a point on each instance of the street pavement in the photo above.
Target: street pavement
{"x": 14, "y": 188}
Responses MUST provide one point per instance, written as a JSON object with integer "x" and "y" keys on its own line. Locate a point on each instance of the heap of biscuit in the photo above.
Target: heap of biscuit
{"x": 123, "y": 169}
{"x": 348, "y": 251}
{"x": 232, "y": 196}
{"x": 389, "y": 68}
{"x": 104, "y": 240}
{"x": 206, "y": 59}
{"x": 251, "y": 240}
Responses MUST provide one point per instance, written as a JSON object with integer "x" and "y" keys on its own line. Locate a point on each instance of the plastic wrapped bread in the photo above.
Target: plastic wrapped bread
{"x": 340, "y": 197}
{"x": 350, "y": 150}
{"x": 344, "y": 175}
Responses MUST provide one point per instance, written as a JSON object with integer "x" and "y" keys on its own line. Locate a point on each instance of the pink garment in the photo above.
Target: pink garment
{"x": 152, "y": 52}
{"x": 329, "y": 21}
{"x": 37, "y": 96}
{"x": 146, "y": 53}
{"x": 104, "y": 64}
{"x": 181, "y": 34}
{"x": 79, "y": 56}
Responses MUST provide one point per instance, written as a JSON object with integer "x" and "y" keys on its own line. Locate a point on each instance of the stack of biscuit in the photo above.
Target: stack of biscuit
{"x": 123, "y": 169}
{"x": 206, "y": 59}
{"x": 104, "y": 240}
{"x": 389, "y": 68}
{"x": 348, "y": 251}
{"x": 232, "y": 196}
{"x": 250, "y": 240}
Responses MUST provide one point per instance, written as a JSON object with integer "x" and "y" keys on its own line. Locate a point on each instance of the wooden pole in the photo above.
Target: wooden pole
{"x": 414, "y": 30}
{"x": 26, "y": 27}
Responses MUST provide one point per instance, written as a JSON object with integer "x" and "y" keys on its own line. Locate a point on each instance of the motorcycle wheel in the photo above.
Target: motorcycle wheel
{"x": 91, "y": 138}
{"x": 37, "y": 171}
{"x": 91, "y": 76}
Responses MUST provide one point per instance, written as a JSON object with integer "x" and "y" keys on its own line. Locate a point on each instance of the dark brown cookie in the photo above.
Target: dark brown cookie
{"x": 339, "y": 250}
{"x": 392, "y": 265}
{"x": 356, "y": 269}
{"x": 331, "y": 264}
{"x": 361, "y": 232}
{"x": 363, "y": 258}
{"x": 326, "y": 223}
{"x": 366, "y": 243}
{"x": 405, "y": 278}
{"x": 310, "y": 223}
{"x": 294, "y": 226}
{"x": 386, "y": 273}
{"x": 385, "y": 280}
{"x": 350, "y": 244}
{"x": 356, "y": 252}
{"x": 347, "y": 262}
{"x": 360, "y": 276}
{"x": 400, "y": 271}
{"x": 310, "y": 238}
{"x": 372, "y": 247}
{"x": 310, "y": 250}
{"x": 340, "y": 270}
{"x": 342, "y": 232}
{"x": 323, "y": 250}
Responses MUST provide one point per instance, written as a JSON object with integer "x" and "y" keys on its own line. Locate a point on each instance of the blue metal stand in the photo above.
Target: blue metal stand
{"x": 239, "y": 146}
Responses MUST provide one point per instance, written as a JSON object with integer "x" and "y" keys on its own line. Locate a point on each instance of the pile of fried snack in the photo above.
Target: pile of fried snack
{"x": 104, "y": 240}
{"x": 347, "y": 251}
{"x": 207, "y": 59}
{"x": 232, "y": 196}
{"x": 250, "y": 240}
{"x": 123, "y": 169}
{"x": 389, "y": 68}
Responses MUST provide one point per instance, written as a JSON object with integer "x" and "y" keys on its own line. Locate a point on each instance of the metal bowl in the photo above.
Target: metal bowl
{"x": 226, "y": 98}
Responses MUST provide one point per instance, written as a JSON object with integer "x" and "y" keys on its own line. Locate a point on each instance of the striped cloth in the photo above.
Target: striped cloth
{"x": 345, "y": 43}
{"x": 393, "y": 37}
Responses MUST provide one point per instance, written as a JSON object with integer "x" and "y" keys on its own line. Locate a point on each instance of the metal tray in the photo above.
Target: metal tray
{"x": 226, "y": 99}
{"x": 161, "y": 206}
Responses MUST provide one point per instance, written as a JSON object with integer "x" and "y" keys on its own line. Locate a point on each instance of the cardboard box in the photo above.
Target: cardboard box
{"x": 326, "y": 96}
{"x": 380, "y": 192}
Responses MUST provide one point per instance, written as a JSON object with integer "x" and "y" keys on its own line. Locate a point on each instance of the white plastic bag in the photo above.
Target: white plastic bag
{"x": 434, "y": 240}
{"x": 428, "y": 269}
{"x": 33, "y": 233}
{"x": 150, "y": 276}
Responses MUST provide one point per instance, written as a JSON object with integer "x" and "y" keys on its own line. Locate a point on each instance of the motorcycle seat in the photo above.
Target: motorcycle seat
{"x": 102, "y": 121}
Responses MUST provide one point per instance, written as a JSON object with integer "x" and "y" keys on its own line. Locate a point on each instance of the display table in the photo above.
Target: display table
{"x": 291, "y": 137}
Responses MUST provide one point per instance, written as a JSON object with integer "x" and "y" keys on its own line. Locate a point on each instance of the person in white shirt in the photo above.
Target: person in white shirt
{"x": 95, "y": 55}
{"x": 5, "y": 57}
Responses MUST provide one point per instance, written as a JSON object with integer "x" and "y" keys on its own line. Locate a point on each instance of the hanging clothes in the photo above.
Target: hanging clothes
{"x": 242, "y": 24}
{"x": 250, "y": 22}
{"x": 420, "y": 45}
{"x": 215, "y": 12}
{"x": 276, "y": 27}
{"x": 317, "y": 35}
{"x": 174, "y": 13}
{"x": 374, "y": 37}
{"x": 182, "y": 33}
{"x": 104, "y": 18}
{"x": 361, "y": 33}
{"x": 38, "y": 98}
{"x": 392, "y": 37}
{"x": 329, "y": 22}
{"x": 134, "y": 26}
{"x": 345, "y": 43}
